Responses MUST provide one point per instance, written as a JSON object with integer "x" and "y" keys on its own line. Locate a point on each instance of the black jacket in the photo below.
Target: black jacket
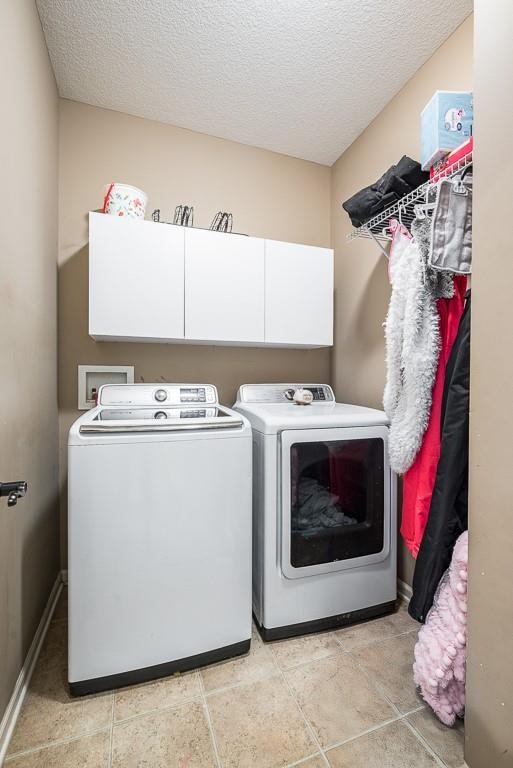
{"x": 448, "y": 514}
{"x": 395, "y": 183}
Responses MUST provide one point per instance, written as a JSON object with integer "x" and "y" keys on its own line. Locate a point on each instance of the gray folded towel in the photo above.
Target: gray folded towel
{"x": 451, "y": 227}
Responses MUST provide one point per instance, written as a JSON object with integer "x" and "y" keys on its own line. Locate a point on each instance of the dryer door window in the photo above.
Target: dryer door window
{"x": 337, "y": 497}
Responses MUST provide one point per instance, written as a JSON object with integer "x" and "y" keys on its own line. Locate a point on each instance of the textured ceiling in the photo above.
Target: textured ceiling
{"x": 302, "y": 77}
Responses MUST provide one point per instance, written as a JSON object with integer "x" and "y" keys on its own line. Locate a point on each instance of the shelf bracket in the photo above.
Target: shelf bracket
{"x": 383, "y": 250}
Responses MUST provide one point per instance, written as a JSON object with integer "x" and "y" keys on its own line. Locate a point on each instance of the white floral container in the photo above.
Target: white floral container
{"x": 125, "y": 200}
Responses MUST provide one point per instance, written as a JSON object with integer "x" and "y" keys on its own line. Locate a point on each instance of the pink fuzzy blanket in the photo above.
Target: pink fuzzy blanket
{"x": 441, "y": 649}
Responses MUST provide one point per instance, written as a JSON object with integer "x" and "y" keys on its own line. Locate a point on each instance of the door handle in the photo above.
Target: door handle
{"x": 13, "y": 491}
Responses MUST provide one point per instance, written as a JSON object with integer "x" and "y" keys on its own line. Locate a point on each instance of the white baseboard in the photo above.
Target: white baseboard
{"x": 404, "y": 591}
{"x": 13, "y": 709}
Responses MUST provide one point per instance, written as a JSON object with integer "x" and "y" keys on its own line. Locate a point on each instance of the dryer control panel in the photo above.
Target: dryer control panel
{"x": 157, "y": 394}
{"x": 283, "y": 393}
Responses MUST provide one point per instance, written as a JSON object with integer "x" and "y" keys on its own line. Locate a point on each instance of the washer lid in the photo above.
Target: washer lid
{"x": 151, "y": 420}
{"x": 271, "y": 418}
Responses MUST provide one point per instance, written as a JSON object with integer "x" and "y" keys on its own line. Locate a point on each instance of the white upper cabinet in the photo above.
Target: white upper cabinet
{"x": 159, "y": 282}
{"x": 136, "y": 279}
{"x": 298, "y": 294}
{"x": 224, "y": 287}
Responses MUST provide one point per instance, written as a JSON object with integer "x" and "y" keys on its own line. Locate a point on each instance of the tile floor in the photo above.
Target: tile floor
{"x": 343, "y": 699}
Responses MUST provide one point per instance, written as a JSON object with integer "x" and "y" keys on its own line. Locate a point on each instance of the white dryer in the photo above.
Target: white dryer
{"x": 324, "y": 510}
{"x": 159, "y": 534}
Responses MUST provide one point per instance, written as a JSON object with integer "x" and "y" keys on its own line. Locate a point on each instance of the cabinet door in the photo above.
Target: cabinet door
{"x": 224, "y": 287}
{"x": 298, "y": 294}
{"x": 136, "y": 279}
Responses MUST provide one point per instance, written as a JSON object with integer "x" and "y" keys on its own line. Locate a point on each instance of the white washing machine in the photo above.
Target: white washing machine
{"x": 159, "y": 534}
{"x": 324, "y": 510}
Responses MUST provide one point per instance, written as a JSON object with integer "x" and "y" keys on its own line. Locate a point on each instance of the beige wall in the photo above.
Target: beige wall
{"x": 361, "y": 284}
{"x": 489, "y": 712}
{"x": 29, "y": 533}
{"x": 269, "y": 194}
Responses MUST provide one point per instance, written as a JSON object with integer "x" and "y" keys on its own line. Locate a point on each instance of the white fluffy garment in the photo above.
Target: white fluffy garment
{"x": 413, "y": 343}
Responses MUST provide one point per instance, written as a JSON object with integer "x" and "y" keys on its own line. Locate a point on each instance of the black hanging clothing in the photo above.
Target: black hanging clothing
{"x": 448, "y": 514}
{"x": 395, "y": 183}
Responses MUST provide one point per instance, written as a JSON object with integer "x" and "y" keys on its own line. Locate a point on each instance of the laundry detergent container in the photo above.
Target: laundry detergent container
{"x": 125, "y": 200}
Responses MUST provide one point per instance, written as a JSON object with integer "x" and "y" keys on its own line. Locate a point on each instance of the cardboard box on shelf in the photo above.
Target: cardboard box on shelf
{"x": 446, "y": 122}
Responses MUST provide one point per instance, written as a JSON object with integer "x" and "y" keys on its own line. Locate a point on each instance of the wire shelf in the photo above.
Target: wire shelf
{"x": 404, "y": 209}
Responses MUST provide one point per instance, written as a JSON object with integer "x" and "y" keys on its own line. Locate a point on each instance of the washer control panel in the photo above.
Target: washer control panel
{"x": 160, "y": 395}
{"x": 319, "y": 393}
{"x": 152, "y": 394}
{"x": 193, "y": 395}
{"x": 283, "y": 393}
